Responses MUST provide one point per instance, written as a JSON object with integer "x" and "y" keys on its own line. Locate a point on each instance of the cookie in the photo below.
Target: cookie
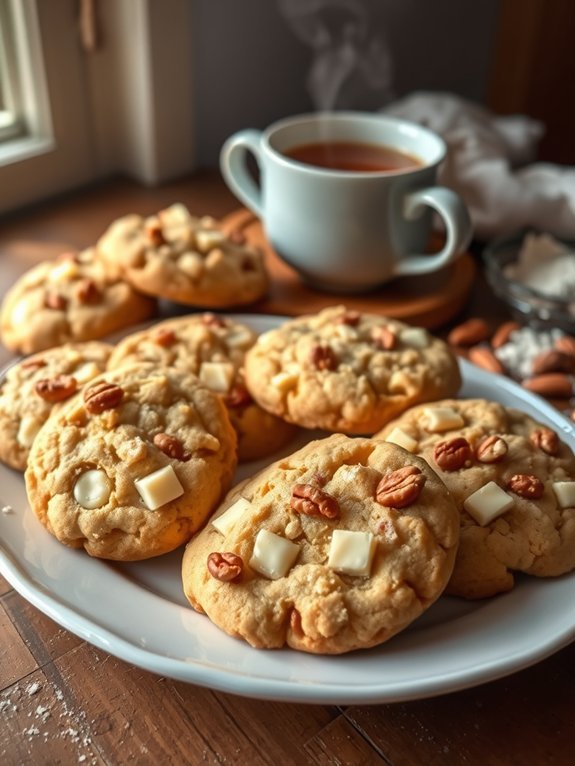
{"x": 212, "y": 347}
{"x": 186, "y": 259}
{"x": 32, "y": 387}
{"x": 513, "y": 481}
{"x": 74, "y": 298}
{"x": 335, "y": 548}
{"x": 344, "y": 371}
{"x": 132, "y": 467}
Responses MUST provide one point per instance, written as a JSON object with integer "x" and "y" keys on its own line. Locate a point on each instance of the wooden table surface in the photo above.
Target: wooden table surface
{"x": 62, "y": 701}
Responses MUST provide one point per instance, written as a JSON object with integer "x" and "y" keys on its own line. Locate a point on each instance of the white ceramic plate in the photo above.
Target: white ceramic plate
{"x": 137, "y": 611}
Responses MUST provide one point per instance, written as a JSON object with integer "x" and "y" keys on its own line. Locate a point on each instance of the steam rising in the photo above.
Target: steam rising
{"x": 348, "y": 57}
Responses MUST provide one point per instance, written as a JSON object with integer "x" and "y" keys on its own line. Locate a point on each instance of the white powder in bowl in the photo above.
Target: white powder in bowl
{"x": 545, "y": 265}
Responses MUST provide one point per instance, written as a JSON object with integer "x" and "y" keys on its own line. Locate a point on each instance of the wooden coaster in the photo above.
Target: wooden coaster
{"x": 429, "y": 300}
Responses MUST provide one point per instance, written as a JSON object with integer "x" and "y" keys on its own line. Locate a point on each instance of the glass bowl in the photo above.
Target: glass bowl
{"x": 527, "y": 305}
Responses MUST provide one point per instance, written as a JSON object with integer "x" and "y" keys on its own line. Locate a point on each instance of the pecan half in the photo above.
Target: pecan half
{"x": 56, "y": 389}
{"x": 55, "y": 301}
{"x": 451, "y": 455}
{"x": 171, "y": 446}
{"x": 384, "y": 338}
{"x": 323, "y": 358}
{"x": 546, "y": 440}
{"x": 400, "y": 488}
{"x": 526, "y": 485}
{"x": 164, "y": 337}
{"x": 238, "y": 396}
{"x": 154, "y": 233}
{"x": 87, "y": 291}
{"x": 225, "y": 567}
{"x": 492, "y": 449}
{"x": 305, "y": 498}
{"x": 102, "y": 396}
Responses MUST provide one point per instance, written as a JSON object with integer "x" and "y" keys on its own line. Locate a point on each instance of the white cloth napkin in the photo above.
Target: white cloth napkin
{"x": 490, "y": 164}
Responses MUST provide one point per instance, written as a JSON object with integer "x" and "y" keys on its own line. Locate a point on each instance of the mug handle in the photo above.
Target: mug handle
{"x": 458, "y": 228}
{"x": 235, "y": 172}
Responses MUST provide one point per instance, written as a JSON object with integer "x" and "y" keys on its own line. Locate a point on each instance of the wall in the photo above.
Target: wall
{"x": 251, "y": 64}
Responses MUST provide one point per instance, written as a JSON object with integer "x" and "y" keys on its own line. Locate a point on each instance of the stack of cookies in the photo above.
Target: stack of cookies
{"x": 407, "y": 493}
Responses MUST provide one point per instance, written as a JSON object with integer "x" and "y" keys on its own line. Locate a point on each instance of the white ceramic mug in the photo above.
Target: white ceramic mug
{"x": 342, "y": 230}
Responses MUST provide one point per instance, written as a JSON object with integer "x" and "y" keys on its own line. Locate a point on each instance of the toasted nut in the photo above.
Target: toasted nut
{"x": 171, "y": 446}
{"x": 492, "y": 449}
{"x": 154, "y": 233}
{"x": 400, "y": 488}
{"x": 483, "y": 357}
{"x": 102, "y": 396}
{"x": 87, "y": 291}
{"x": 225, "y": 567}
{"x": 566, "y": 344}
{"x": 350, "y": 317}
{"x": 56, "y": 389}
{"x": 238, "y": 396}
{"x": 312, "y": 501}
{"x": 550, "y": 384}
{"x": 546, "y": 439}
{"x": 237, "y": 237}
{"x": 553, "y": 361}
{"x": 33, "y": 364}
{"x": 384, "y": 338}
{"x": 451, "y": 455}
{"x": 55, "y": 301}
{"x": 164, "y": 337}
{"x": 526, "y": 485}
{"x": 469, "y": 333}
{"x": 503, "y": 333}
{"x": 213, "y": 320}
{"x": 323, "y": 358}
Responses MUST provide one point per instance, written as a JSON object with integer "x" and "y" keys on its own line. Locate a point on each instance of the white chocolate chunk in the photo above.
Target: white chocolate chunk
{"x": 177, "y": 214}
{"x": 487, "y": 503}
{"x": 416, "y": 337}
{"x": 351, "y": 552}
{"x": 229, "y": 518}
{"x": 284, "y": 381}
{"x": 442, "y": 419}
{"x": 160, "y": 487}
{"x": 191, "y": 264}
{"x": 239, "y": 337}
{"x": 29, "y": 427}
{"x": 22, "y": 312}
{"x": 92, "y": 489}
{"x": 402, "y": 439}
{"x": 273, "y": 555}
{"x": 565, "y": 493}
{"x": 217, "y": 376}
{"x": 86, "y": 372}
{"x": 207, "y": 239}
{"x": 63, "y": 271}
{"x": 346, "y": 332}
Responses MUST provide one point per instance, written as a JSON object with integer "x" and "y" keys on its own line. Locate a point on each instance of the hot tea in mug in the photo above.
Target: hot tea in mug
{"x": 353, "y": 156}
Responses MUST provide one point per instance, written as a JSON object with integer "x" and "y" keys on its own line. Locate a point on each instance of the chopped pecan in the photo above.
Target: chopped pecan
{"x": 323, "y": 358}
{"x": 526, "y": 485}
{"x": 350, "y": 317}
{"x": 53, "y": 300}
{"x": 312, "y": 501}
{"x": 171, "y": 446}
{"x": 238, "y": 396}
{"x": 56, "y": 389}
{"x": 384, "y": 338}
{"x": 87, "y": 291}
{"x": 164, "y": 337}
{"x": 451, "y": 455}
{"x": 154, "y": 233}
{"x": 225, "y": 567}
{"x": 400, "y": 488}
{"x": 546, "y": 439}
{"x": 102, "y": 396}
{"x": 492, "y": 449}
{"x": 213, "y": 320}
{"x": 33, "y": 364}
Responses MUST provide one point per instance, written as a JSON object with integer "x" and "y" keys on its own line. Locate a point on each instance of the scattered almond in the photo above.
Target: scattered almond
{"x": 553, "y": 361}
{"x": 503, "y": 333}
{"x": 553, "y": 384}
{"x": 566, "y": 344}
{"x": 483, "y": 357}
{"x": 469, "y": 333}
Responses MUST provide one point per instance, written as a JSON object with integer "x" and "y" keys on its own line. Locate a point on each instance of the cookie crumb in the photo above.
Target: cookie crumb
{"x": 6, "y": 509}
{"x": 33, "y": 688}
